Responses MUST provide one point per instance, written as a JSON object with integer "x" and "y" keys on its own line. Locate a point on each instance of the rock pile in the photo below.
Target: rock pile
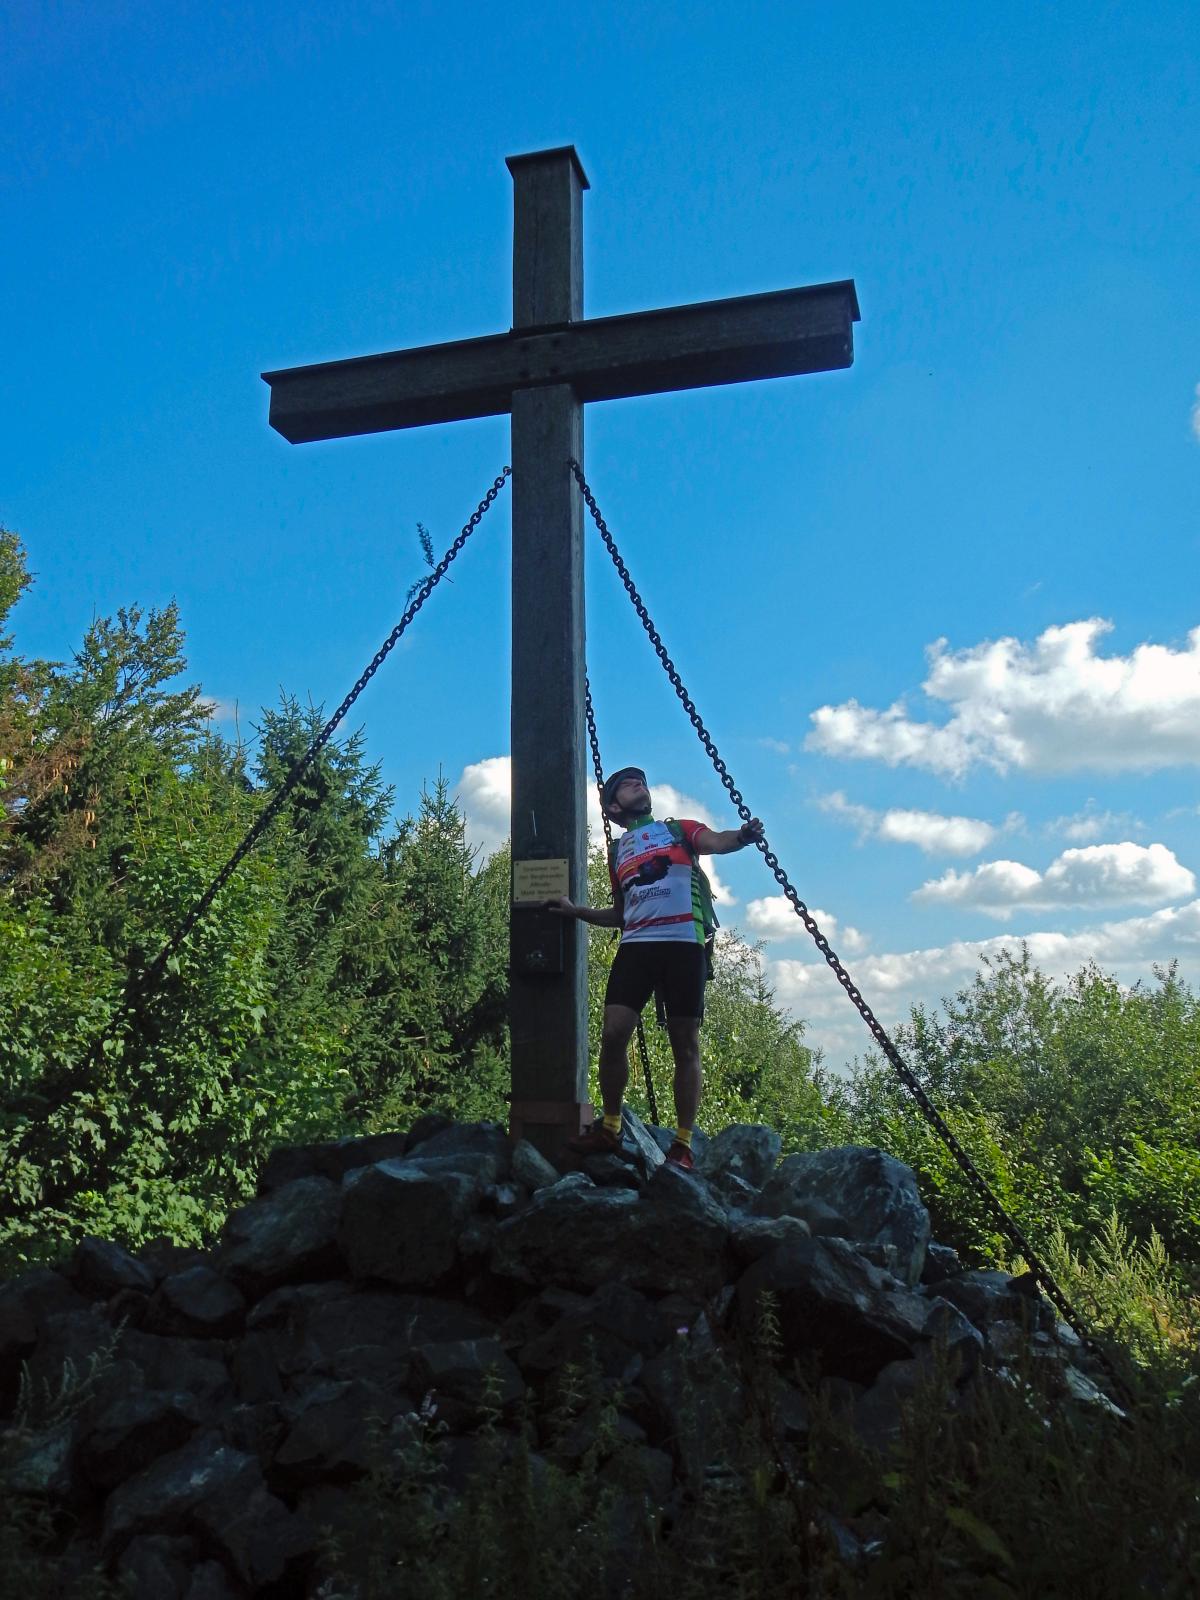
{"x": 201, "y": 1416}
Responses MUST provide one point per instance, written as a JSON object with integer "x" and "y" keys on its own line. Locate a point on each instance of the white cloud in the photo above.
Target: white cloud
{"x": 1093, "y": 875}
{"x": 1196, "y": 415}
{"x": 773, "y": 918}
{"x": 777, "y": 745}
{"x": 893, "y": 982}
{"x": 1053, "y": 706}
{"x": 485, "y": 792}
{"x": 929, "y": 831}
{"x": 220, "y": 710}
{"x": 1084, "y": 826}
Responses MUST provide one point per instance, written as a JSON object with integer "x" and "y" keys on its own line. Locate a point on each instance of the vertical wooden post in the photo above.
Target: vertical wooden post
{"x": 548, "y": 1013}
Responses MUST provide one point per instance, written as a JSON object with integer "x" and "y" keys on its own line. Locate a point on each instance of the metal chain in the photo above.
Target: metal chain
{"x": 594, "y": 740}
{"x": 280, "y": 797}
{"x": 1038, "y": 1269}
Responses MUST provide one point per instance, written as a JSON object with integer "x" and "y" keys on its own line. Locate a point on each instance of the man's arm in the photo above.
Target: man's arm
{"x": 710, "y": 842}
{"x": 613, "y": 917}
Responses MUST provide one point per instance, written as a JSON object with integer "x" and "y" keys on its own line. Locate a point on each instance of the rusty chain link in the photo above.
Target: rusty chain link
{"x": 594, "y": 740}
{"x": 1010, "y": 1228}
{"x": 300, "y": 767}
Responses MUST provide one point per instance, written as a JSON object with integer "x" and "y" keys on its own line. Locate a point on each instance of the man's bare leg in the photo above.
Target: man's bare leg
{"x": 684, "y": 1034}
{"x": 619, "y": 1023}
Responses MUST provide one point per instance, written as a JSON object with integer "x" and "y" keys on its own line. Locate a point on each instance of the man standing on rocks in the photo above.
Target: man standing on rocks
{"x": 663, "y": 907}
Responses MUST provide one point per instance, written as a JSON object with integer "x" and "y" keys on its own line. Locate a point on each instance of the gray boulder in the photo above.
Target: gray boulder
{"x": 192, "y": 1366}
{"x": 332, "y": 1159}
{"x": 986, "y": 1297}
{"x": 855, "y": 1192}
{"x": 401, "y": 1219}
{"x": 735, "y": 1194}
{"x": 257, "y": 1430}
{"x": 744, "y": 1151}
{"x": 752, "y": 1237}
{"x": 73, "y": 1348}
{"x": 198, "y": 1302}
{"x": 578, "y": 1236}
{"x": 613, "y": 1172}
{"x": 133, "y": 1429}
{"x": 877, "y": 1416}
{"x": 284, "y": 1237}
{"x": 832, "y": 1302}
{"x": 164, "y": 1256}
{"x": 217, "y": 1495}
{"x": 530, "y": 1167}
{"x": 316, "y": 1331}
{"x": 162, "y": 1497}
{"x": 424, "y": 1128}
{"x": 464, "y": 1371}
{"x": 941, "y": 1261}
{"x": 26, "y": 1303}
{"x": 637, "y": 1137}
{"x": 330, "y": 1435}
{"x": 156, "y": 1564}
{"x": 209, "y": 1581}
{"x": 948, "y": 1329}
{"x": 695, "y": 1408}
{"x": 481, "y": 1148}
{"x": 101, "y": 1268}
{"x": 614, "y": 1328}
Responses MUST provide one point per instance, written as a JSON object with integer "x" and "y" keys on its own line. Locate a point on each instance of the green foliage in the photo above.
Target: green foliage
{"x": 1073, "y": 1101}
{"x": 350, "y": 974}
{"x": 1007, "y": 1494}
{"x": 1131, "y": 1295}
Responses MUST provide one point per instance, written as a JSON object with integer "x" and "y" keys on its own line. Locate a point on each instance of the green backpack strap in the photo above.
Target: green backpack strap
{"x": 707, "y": 909}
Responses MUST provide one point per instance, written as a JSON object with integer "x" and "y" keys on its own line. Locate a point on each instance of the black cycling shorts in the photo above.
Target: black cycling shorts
{"x": 676, "y": 969}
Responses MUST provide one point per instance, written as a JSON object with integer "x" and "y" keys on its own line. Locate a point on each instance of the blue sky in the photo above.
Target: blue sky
{"x": 192, "y": 194}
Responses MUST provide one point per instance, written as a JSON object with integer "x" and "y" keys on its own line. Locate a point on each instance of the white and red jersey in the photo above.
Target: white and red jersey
{"x": 657, "y": 874}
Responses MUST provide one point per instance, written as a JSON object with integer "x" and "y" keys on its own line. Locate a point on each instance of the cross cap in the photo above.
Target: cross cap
{"x": 557, "y": 154}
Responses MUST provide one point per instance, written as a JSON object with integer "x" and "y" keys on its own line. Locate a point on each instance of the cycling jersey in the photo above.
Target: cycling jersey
{"x": 654, "y": 865}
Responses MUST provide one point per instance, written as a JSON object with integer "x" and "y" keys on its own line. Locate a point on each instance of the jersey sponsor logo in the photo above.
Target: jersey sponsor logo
{"x": 655, "y": 871}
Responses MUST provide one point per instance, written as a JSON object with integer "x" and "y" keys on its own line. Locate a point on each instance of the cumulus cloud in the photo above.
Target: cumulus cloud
{"x": 892, "y": 982}
{"x": 1084, "y": 826}
{"x": 1053, "y": 706}
{"x": 929, "y": 831}
{"x": 1092, "y": 875}
{"x": 773, "y": 918}
{"x": 485, "y": 793}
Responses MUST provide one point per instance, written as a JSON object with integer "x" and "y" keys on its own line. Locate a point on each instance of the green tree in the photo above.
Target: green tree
{"x": 1073, "y": 1099}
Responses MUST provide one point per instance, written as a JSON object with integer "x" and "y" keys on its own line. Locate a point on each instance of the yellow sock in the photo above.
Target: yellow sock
{"x": 683, "y": 1136}
{"x": 613, "y": 1124}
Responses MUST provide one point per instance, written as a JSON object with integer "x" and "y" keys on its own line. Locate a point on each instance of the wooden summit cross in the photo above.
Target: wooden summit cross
{"x": 543, "y": 372}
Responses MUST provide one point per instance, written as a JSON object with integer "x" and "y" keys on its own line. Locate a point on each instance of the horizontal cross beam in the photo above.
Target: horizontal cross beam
{"x": 776, "y": 335}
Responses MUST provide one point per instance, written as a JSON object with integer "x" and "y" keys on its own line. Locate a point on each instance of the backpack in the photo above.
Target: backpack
{"x": 707, "y": 910}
